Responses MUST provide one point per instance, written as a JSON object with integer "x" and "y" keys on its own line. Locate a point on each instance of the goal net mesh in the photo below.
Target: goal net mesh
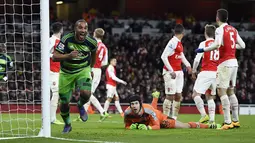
{"x": 20, "y": 95}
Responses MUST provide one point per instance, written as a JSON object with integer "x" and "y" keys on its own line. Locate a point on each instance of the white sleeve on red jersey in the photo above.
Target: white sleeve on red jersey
{"x": 239, "y": 42}
{"x": 110, "y": 70}
{"x": 198, "y": 57}
{"x": 169, "y": 50}
{"x": 105, "y": 60}
{"x": 184, "y": 60}
{"x": 218, "y": 40}
{"x": 51, "y": 46}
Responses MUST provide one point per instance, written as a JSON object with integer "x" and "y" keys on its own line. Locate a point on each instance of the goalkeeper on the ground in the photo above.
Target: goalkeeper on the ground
{"x": 5, "y": 62}
{"x": 147, "y": 117}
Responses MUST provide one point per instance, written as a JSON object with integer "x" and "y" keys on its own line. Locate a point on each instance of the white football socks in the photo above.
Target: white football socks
{"x": 53, "y": 106}
{"x": 211, "y": 109}
{"x": 106, "y": 105}
{"x": 176, "y": 107}
{"x": 96, "y": 103}
{"x": 117, "y": 104}
{"x": 167, "y": 107}
{"x": 234, "y": 107}
{"x": 226, "y": 108}
{"x": 200, "y": 105}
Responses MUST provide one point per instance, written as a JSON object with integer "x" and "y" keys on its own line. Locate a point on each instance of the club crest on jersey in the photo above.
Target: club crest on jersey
{"x": 178, "y": 56}
{"x": 61, "y": 46}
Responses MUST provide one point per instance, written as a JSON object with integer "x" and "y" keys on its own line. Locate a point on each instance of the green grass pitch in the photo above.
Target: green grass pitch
{"x": 112, "y": 130}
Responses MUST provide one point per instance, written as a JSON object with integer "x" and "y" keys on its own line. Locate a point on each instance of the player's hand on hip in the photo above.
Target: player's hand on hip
{"x": 74, "y": 54}
{"x": 199, "y": 50}
{"x": 173, "y": 75}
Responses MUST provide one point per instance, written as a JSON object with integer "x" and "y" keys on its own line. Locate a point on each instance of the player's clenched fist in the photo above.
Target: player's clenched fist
{"x": 74, "y": 54}
{"x": 133, "y": 127}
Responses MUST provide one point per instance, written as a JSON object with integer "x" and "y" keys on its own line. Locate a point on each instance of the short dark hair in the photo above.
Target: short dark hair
{"x": 135, "y": 98}
{"x": 210, "y": 30}
{"x": 222, "y": 15}
{"x": 56, "y": 27}
{"x": 179, "y": 29}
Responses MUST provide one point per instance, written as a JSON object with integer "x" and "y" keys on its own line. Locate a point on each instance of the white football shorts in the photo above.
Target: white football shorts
{"x": 111, "y": 91}
{"x": 173, "y": 86}
{"x": 206, "y": 80}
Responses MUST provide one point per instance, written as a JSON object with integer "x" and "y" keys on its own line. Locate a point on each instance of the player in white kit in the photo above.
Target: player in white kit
{"x": 111, "y": 83}
{"x": 227, "y": 40}
{"x": 173, "y": 57}
{"x": 101, "y": 60}
{"x": 57, "y": 29}
{"x": 206, "y": 79}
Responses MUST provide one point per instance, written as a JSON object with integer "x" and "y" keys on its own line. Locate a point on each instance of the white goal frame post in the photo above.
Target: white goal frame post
{"x": 45, "y": 68}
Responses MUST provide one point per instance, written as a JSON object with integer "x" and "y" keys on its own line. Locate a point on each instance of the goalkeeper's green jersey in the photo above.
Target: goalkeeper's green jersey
{"x": 68, "y": 44}
{"x": 5, "y": 64}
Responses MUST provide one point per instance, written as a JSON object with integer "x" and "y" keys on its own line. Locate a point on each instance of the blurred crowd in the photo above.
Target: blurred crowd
{"x": 138, "y": 62}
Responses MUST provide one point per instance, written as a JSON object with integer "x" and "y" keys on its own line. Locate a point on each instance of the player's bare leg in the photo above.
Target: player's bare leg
{"x": 200, "y": 106}
{"x": 234, "y": 106}
{"x": 211, "y": 107}
{"x": 167, "y": 104}
{"x": 222, "y": 92}
{"x": 117, "y": 105}
{"x": 176, "y": 105}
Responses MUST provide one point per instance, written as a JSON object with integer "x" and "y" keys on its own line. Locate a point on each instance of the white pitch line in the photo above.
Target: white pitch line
{"x": 77, "y": 140}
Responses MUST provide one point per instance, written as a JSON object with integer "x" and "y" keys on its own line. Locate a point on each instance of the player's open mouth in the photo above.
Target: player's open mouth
{"x": 81, "y": 36}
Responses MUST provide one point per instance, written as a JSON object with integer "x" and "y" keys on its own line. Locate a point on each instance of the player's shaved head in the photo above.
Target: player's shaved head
{"x": 222, "y": 15}
{"x": 210, "y": 30}
{"x": 179, "y": 29}
{"x": 80, "y": 21}
{"x": 99, "y": 33}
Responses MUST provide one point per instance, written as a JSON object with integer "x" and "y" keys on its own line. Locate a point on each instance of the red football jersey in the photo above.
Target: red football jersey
{"x": 175, "y": 59}
{"x": 109, "y": 80}
{"x": 100, "y": 54}
{"x": 54, "y": 66}
{"x": 210, "y": 59}
{"x": 228, "y": 49}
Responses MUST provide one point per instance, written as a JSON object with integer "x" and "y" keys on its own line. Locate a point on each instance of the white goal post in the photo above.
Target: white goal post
{"x": 25, "y": 96}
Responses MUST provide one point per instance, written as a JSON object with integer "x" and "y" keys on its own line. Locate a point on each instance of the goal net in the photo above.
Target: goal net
{"x": 20, "y": 95}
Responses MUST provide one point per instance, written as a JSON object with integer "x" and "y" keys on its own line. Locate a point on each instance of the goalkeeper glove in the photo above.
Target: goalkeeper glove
{"x": 133, "y": 126}
{"x": 144, "y": 127}
{"x": 155, "y": 94}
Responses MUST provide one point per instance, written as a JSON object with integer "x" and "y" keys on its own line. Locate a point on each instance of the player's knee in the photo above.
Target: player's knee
{"x": 230, "y": 91}
{"x": 64, "y": 100}
{"x": 221, "y": 91}
{"x": 109, "y": 99}
{"x": 64, "y": 107}
{"x": 170, "y": 97}
{"x": 195, "y": 94}
{"x": 85, "y": 95}
{"x": 178, "y": 97}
